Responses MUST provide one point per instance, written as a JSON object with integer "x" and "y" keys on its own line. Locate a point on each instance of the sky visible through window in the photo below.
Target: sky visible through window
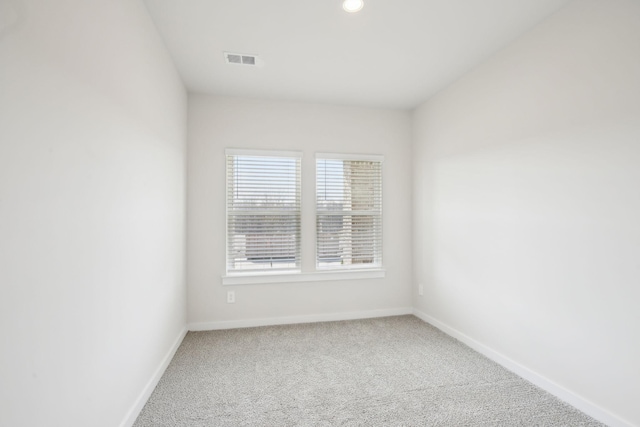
{"x": 329, "y": 192}
{"x": 264, "y": 182}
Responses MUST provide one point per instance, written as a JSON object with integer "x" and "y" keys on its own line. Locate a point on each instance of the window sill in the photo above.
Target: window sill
{"x": 320, "y": 276}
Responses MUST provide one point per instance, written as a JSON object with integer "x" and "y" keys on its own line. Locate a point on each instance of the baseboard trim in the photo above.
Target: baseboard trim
{"x": 541, "y": 381}
{"x": 270, "y": 321}
{"x": 135, "y": 410}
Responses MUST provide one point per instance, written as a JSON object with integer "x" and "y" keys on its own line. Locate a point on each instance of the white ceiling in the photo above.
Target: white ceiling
{"x": 393, "y": 53}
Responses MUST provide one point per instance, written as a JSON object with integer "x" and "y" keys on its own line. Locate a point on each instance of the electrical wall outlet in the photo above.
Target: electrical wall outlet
{"x": 231, "y": 297}
{"x": 420, "y": 289}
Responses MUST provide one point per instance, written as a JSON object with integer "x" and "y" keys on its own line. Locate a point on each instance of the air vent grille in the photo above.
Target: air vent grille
{"x": 240, "y": 59}
{"x": 248, "y": 60}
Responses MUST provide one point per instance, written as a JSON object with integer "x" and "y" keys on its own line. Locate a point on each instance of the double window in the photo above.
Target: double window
{"x": 264, "y": 211}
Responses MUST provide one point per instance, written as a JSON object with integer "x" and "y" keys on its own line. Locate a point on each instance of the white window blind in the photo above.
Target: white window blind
{"x": 348, "y": 211}
{"x": 263, "y": 211}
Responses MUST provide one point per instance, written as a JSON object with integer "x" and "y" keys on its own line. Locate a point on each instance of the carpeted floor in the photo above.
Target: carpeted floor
{"x": 394, "y": 371}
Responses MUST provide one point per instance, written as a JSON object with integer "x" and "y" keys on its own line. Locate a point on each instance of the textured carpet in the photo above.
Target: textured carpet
{"x": 394, "y": 371}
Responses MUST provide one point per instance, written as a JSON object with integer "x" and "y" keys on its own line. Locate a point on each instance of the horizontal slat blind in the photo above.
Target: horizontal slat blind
{"x": 263, "y": 213}
{"x": 348, "y": 213}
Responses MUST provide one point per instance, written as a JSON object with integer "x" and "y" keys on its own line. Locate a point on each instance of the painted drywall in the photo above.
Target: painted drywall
{"x": 527, "y": 199}
{"x": 216, "y": 123}
{"x": 92, "y": 210}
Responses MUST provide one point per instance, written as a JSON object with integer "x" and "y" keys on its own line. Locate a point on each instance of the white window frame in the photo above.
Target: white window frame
{"x": 377, "y": 265}
{"x": 249, "y": 277}
{"x": 273, "y": 154}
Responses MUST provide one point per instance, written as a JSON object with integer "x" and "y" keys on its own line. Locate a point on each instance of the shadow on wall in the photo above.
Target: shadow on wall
{"x": 13, "y": 14}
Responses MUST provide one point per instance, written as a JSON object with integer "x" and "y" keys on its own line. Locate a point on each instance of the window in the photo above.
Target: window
{"x": 263, "y": 211}
{"x": 348, "y": 211}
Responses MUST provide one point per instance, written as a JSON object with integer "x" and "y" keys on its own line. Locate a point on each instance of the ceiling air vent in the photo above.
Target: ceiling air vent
{"x": 240, "y": 59}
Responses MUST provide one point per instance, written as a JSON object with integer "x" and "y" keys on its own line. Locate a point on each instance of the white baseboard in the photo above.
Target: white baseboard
{"x": 133, "y": 413}
{"x": 544, "y": 383}
{"x": 329, "y": 317}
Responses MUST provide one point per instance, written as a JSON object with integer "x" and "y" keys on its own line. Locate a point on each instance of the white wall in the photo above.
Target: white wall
{"x": 216, "y": 123}
{"x": 527, "y": 203}
{"x": 92, "y": 200}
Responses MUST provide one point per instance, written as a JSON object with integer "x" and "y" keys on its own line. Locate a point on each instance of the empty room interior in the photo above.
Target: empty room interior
{"x": 319, "y": 213}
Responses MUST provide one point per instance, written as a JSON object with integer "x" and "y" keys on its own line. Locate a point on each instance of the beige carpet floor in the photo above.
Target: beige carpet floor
{"x": 394, "y": 371}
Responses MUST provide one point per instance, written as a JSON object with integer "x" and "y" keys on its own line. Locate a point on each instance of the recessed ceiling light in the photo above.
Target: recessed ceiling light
{"x": 352, "y": 6}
